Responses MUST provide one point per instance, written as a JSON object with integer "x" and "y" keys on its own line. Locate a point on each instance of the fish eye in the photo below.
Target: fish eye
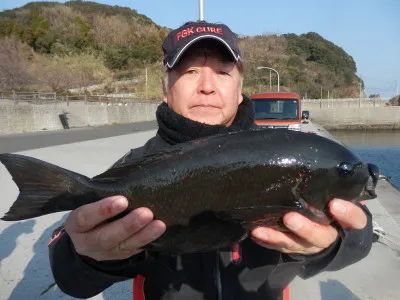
{"x": 345, "y": 168}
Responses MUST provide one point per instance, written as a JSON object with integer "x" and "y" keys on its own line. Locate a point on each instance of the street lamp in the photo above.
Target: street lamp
{"x": 201, "y": 15}
{"x": 259, "y": 68}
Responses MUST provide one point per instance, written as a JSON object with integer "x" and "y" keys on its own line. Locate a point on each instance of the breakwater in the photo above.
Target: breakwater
{"x": 362, "y": 118}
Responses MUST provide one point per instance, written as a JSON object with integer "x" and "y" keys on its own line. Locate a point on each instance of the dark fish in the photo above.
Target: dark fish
{"x": 209, "y": 192}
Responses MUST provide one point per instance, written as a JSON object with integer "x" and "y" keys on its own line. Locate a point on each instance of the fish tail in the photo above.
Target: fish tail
{"x": 44, "y": 188}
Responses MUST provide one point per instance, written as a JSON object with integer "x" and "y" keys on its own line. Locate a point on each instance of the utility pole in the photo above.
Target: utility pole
{"x": 146, "y": 83}
{"x": 321, "y": 92}
{"x": 270, "y": 85}
{"x": 201, "y": 10}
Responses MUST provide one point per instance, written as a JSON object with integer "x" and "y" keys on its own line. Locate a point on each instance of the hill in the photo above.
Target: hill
{"x": 54, "y": 46}
{"x": 395, "y": 101}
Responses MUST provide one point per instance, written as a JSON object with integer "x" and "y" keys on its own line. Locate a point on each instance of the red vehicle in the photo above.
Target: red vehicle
{"x": 278, "y": 110}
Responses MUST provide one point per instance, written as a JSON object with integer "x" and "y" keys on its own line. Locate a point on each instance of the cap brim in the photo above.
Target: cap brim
{"x": 171, "y": 63}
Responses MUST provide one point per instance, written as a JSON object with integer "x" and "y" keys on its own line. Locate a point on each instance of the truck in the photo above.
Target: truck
{"x": 278, "y": 110}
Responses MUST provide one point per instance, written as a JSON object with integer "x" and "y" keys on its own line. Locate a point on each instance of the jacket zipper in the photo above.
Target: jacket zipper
{"x": 218, "y": 283}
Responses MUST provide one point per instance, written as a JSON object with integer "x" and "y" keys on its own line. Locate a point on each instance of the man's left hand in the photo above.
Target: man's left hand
{"x": 306, "y": 236}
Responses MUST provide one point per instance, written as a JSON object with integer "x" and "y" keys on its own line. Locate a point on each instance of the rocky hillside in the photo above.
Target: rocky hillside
{"x": 52, "y": 46}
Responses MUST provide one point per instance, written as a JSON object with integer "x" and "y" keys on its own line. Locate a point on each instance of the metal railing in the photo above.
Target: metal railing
{"x": 46, "y": 98}
{"x": 28, "y": 96}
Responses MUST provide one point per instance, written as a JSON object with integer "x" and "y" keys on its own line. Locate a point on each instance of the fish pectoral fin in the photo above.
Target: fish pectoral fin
{"x": 120, "y": 171}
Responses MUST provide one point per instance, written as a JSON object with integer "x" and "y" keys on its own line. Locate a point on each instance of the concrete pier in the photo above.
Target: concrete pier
{"x": 24, "y": 266}
{"x": 376, "y": 276}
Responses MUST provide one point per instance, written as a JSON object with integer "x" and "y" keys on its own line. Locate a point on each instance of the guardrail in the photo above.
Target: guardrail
{"x": 46, "y": 98}
{"x": 28, "y": 96}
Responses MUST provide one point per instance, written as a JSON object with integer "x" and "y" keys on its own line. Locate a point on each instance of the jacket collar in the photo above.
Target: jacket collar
{"x": 175, "y": 128}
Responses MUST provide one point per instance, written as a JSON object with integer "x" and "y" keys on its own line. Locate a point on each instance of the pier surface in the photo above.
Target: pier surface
{"x": 24, "y": 265}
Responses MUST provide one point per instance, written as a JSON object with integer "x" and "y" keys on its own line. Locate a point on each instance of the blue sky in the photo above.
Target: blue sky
{"x": 368, "y": 30}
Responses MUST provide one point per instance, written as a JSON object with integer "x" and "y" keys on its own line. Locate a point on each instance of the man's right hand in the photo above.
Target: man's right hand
{"x": 116, "y": 240}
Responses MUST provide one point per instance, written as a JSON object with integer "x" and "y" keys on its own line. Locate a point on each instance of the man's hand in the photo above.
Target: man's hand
{"x": 306, "y": 236}
{"x": 116, "y": 240}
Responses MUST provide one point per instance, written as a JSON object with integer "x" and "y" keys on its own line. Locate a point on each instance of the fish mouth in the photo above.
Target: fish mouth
{"x": 369, "y": 188}
{"x": 374, "y": 172}
{"x": 368, "y": 192}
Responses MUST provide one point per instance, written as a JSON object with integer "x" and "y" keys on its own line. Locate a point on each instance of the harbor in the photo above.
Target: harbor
{"x": 84, "y": 82}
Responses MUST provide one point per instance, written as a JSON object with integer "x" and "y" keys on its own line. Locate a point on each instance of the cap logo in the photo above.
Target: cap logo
{"x": 191, "y": 30}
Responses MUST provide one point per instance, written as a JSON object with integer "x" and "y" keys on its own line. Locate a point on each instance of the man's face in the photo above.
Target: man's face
{"x": 205, "y": 86}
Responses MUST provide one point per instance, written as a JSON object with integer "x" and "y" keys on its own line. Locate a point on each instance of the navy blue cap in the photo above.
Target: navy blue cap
{"x": 180, "y": 39}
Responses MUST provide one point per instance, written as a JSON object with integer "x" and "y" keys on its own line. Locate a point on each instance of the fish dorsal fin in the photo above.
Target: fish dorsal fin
{"x": 120, "y": 171}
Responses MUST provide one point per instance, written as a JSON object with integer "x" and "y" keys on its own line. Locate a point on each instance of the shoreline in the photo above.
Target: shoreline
{"x": 362, "y": 127}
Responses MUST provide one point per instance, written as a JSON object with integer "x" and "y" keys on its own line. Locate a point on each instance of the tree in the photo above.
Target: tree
{"x": 13, "y": 65}
{"x": 82, "y": 33}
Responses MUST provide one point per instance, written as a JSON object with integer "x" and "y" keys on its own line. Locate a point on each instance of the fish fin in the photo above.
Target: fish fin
{"x": 367, "y": 195}
{"x": 43, "y": 187}
{"x": 115, "y": 173}
{"x": 252, "y": 217}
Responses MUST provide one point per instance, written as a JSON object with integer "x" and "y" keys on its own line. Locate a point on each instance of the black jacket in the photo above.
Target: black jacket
{"x": 259, "y": 273}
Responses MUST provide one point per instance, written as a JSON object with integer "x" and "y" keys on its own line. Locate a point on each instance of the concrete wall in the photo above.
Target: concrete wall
{"x": 357, "y": 118}
{"x": 342, "y": 103}
{"x": 27, "y": 117}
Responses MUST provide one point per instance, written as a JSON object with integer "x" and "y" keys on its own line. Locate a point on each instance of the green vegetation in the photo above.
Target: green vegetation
{"x": 54, "y": 46}
{"x": 306, "y": 63}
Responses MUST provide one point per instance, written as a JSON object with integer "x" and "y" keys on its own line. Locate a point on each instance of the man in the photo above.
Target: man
{"x": 202, "y": 96}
